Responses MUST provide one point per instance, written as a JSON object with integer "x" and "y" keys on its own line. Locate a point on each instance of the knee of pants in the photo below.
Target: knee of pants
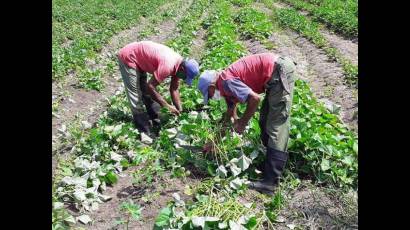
{"x": 278, "y": 136}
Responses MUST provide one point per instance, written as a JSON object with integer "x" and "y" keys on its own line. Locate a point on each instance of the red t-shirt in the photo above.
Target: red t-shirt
{"x": 253, "y": 70}
{"x": 151, "y": 57}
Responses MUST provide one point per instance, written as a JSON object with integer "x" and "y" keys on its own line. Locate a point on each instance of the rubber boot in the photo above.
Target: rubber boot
{"x": 153, "y": 108}
{"x": 141, "y": 122}
{"x": 274, "y": 165}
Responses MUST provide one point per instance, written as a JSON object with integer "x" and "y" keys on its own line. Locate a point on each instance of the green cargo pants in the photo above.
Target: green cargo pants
{"x": 275, "y": 112}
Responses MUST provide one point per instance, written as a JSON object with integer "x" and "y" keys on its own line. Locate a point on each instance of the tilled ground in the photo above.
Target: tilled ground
{"x": 325, "y": 77}
{"x": 156, "y": 196}
{"x": 89, "y": 104}
{"x": 309, "y": 207}
{"x": 312, "y": 207}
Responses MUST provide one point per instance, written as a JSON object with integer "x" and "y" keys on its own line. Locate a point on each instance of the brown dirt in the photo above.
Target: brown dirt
{"x": 347, "y": 47}
{"x": 91, "y": 103}
{"x": 109, "y": 212}
{"x": 324, "y": 76}
{"x": 312, "y": 207}
{"x": 198, "y": 44}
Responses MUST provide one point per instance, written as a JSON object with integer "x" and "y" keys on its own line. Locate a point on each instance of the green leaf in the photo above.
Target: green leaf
{"x": 234, "y": 169}
{"x": 325, "y": 165}
{"x": 163, "y": 217}
{"x": 69, "y": 219}
{"x": 198, "y": 221}
{"x": 135, "y": 211}
{"x": 244, "y": 162}
{"x": 124, "y": 163}
{"x": 251, "y": 223}
{"x": 254, "y": 154}
{"x": 188, "y": 190}
{"x": 111, "y": 178}
{"x": 211, "y": 169}
{"x": 222, "y": 225}
{"x": 85, "y": 219}
{"x": 348, "y": 160}
{"x": 221, "y": 171}
{"x": 271, "y": 215}
{"x": 355, "y": 147}
{"x": 236, "y": 183}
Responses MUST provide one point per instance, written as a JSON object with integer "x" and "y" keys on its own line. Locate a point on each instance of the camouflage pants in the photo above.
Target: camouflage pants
{"x": 275, "y": 111}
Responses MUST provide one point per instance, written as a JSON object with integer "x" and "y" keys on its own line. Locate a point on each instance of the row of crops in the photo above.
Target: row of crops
{"x": 81, "y": 28}
{"x": 339, "y": 15}
{"x": 321, "y": 147}
{"x": 291, "y": 18}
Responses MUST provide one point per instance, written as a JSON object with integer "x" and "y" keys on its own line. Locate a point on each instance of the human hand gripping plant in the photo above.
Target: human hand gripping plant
{"x": 222, "y": 126}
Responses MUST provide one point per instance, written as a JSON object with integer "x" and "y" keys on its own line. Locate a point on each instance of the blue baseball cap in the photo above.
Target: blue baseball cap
{"x": 204, "y": 82}
{"x": 191, "y": 70}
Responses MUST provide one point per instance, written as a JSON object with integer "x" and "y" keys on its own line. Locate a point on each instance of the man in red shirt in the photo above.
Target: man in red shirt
{"x": 139, "y": 58}
{"x": 242, "y": 82}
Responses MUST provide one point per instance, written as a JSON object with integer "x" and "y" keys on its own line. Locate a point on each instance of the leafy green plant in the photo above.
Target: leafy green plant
{"x": 163, "y": 218}
{"x": 130, "y": 211}
{"x": 152, "y": 169}
{"x": 309, "y": 29}
{"x": 323, "y": 146}
{"x": 253, "y": 24}
{"x": 90, "y": 79}
{"x": 61, "y": 219}
{"x": 187, "y": 27}
{"x": 339, "y": 16}
{"x": 80, "y": 28}
{"x": 221, "y": 40}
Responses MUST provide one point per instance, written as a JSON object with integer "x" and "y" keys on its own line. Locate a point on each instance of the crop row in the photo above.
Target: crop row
{"x": 187, "y": 28}
{"x": 81, "y": 28}
{"x": 253, "y": 24}
{"x": 339, "y": 16}
{"x": 293, "y": 19}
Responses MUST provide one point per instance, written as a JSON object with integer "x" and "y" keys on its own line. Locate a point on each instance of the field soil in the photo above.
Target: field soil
{"x": 87, "y": 105}
{"x": 307, "y": 207}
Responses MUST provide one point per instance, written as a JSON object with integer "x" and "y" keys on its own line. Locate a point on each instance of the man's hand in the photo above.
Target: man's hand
{"x": 252, "y": 105}
{"x": 239, "y": 126}
{"x": 174, "y": 110}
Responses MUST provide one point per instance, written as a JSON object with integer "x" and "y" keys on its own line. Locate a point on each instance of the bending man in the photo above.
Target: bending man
{"x": 242, "y": 82}
{"x": 139, "y": 58}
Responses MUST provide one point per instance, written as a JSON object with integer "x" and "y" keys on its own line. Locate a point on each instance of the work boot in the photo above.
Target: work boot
{"x": 274, "y": 165}
{"x": 156, "y": 126}
{"x": 153, "y": 109}
{"x": 141, "y": 122}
